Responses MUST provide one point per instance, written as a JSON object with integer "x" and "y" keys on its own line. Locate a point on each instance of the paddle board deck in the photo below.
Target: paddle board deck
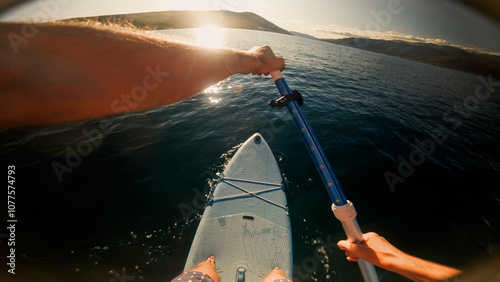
{"x": 245, "y": 225}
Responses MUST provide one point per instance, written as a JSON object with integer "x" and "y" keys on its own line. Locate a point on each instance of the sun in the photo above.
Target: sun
{"x": 209, "y": 36}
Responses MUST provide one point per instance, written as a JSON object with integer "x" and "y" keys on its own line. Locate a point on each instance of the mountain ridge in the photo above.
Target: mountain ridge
{"x": 191, "y": 19}
{"x": 439, "y": 55}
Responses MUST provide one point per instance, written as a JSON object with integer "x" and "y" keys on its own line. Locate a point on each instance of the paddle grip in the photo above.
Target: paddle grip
{"x": 347, "y": 216}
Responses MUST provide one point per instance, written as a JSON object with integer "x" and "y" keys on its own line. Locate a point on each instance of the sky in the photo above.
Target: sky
{"x": 434, "y": 21}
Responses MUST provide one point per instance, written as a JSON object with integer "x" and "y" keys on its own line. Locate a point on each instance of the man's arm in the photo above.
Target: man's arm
{"x": 69, "y": 72}
{"x": 377, "y": 251}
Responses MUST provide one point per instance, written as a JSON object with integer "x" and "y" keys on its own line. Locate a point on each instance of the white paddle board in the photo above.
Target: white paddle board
{"x": 245, "y": 225}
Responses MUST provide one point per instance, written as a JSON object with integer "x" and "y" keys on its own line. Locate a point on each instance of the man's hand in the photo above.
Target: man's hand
{"x": 374, "y": 249}
{"x": 378, "y": 251}
{"x": 265, "y": 61}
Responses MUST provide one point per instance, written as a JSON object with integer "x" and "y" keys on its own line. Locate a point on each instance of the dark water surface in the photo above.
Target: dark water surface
{"x": 127, "y": 207}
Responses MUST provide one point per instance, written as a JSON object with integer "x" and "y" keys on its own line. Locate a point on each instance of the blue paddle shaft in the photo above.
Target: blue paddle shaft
{"x": 323, "y": 166}
{"x": 348, "y": 216}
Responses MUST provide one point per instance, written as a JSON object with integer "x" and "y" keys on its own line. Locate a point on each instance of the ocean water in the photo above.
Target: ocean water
{"x": 127, "y": 207}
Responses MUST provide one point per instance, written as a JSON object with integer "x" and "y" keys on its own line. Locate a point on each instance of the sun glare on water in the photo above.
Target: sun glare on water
{"x": 212, "y": 37}
{"x": 209, "y": 36}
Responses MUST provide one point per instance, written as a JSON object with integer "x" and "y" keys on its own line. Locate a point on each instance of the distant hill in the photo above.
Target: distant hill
{"x": 439, "y": 55}
{"x": 192, "y": 19}
{"x": 303, "y": 35}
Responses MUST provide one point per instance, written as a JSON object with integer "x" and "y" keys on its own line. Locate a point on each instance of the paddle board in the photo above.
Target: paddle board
{"x": 245, "y": 225}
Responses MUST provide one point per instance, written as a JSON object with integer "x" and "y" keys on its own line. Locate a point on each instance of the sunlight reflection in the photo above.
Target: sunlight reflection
{"x": 209, "y": 36}
{"x": 214, "y": 100}
{"x": 214, "y": 89}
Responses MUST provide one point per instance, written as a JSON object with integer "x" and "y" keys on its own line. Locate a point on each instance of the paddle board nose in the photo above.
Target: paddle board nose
{"x": 257, "y": 138}
{"x": 246, "y": 225}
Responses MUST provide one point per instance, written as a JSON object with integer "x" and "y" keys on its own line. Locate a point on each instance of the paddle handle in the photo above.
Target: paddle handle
{"x": 276, "y": 75}
{"x": 347, "y": 216}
